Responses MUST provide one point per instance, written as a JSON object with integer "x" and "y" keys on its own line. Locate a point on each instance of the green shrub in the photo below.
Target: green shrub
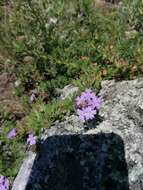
{"x": 12, "y": 153}
{"x": 43, "y": 116}
{"x": 134, "y": 10}
{"x": 35, "y": 35}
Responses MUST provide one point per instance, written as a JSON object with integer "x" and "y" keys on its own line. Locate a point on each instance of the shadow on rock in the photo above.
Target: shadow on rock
{"x": 80, "y": 162}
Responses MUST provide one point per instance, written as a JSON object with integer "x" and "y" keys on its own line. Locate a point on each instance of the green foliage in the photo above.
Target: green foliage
{"x": 134, "y": 10}
{"x": 42, "y": 115}
{"x": 12, "y": 153}
{"x": 48, "y": 38}
{"x": 34, "y": 32}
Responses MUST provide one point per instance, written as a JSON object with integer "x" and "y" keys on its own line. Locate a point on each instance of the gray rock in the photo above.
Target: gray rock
{"x": 24, "y": 173}
{"x": 97, "y": 152}
{"x": 122, "y": 110}
{"x": 71, "y": 125}
{"x": 68, "y": 91}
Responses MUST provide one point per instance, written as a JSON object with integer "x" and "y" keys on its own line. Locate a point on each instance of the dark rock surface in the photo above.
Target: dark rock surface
{"x": 108, "y": 155}
{"x": 80, "y": 162}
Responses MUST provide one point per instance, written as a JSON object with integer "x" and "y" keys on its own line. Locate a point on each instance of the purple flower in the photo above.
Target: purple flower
{"x": 12, "y": 134}
{"x": 86, "y": 114}
{"x": 88, "y": 104}
{"x": 31, "y": 140}
{"x": 88, "y": 98}
{"x": 32, "y": 98}
{"x": 4, "y": 183}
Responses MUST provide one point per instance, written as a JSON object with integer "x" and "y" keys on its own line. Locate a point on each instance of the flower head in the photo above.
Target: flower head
{"x": 31, "y": 140}
{"x": 32, "y": 98}
{"x": 4, "y": 183}
{"x": 88, "y": 98}
{"x": 86, "y": 114}
{"x": 12, "y": 134}
{"x": 88, "y": 104}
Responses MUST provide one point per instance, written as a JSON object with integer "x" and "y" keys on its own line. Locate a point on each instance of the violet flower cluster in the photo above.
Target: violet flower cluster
{"x": 12, "y": 134}
{"x": 87, "y": 105}
{"x": 31, "y": 140}
{"x": 4, "y": 183}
